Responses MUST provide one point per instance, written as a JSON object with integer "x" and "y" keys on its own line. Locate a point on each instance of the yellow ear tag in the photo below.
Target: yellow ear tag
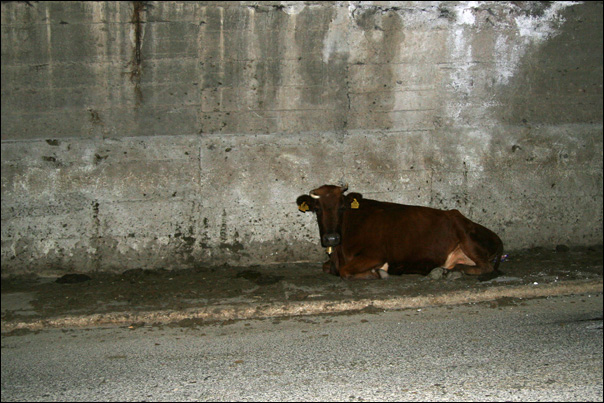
{"x": 303, "y": 207}
{"x": 354, "y": 204}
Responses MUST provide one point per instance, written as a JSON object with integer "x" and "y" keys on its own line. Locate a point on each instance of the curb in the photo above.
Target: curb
{"x": 305, "y": 308}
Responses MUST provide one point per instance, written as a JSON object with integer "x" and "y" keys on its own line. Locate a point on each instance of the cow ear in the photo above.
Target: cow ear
{"x": 353, "y": 200}
{"x": 305, "y": 203}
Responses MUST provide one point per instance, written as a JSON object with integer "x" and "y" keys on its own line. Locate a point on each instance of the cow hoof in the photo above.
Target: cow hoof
{"x": 437, "y": 273}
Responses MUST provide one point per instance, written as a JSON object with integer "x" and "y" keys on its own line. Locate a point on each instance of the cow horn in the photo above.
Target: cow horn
{"x": 344, "y": 188}
{"x": 314, "y": 196}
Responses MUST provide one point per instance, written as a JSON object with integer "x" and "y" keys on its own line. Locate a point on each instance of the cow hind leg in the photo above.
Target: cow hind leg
{"x": 458, "y": 257}
{"x": 468, "y": 260}
{"x": 482, "y": 261}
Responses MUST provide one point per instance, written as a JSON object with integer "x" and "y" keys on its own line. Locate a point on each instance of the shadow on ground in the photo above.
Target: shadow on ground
{"x": 140, "y": 290}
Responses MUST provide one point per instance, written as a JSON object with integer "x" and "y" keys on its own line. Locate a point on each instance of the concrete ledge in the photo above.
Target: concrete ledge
{"x": 231, "y": 311}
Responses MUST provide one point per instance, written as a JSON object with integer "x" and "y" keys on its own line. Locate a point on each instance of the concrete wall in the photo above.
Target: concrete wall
{"x": 177, "y": 134}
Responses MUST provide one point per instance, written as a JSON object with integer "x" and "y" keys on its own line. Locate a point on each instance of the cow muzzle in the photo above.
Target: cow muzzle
{"x": 331, "y": 240}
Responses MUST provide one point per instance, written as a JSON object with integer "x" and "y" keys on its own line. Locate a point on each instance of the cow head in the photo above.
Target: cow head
{"x": 329, "y": 204}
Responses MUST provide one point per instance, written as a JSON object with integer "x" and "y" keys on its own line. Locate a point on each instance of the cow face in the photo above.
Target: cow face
{"x": 329, "y": 204}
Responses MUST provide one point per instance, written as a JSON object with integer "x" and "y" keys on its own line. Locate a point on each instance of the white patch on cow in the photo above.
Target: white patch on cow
{"x": 457, "y": 256}
{"x": 382, "y": 271}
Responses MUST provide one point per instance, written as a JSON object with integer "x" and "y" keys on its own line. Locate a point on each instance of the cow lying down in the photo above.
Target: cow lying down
{"x": 368, "y": 239}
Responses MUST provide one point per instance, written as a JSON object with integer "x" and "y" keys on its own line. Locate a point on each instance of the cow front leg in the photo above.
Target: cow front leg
{"x": 362, "y": 268}
{"x": 383, "y": 271}
{"x": 329, "y": 267}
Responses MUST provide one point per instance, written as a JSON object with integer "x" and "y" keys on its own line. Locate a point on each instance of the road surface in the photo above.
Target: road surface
{"x": 510, "y": 349}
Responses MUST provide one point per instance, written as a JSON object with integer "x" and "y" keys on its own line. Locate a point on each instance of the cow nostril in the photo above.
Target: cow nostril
{"x": 331, "y": 239}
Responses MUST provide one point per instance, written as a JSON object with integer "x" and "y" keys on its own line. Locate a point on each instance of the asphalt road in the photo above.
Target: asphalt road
{"x": 510, "y": 349}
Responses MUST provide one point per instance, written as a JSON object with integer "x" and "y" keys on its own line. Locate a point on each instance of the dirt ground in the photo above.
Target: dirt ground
{"x": 146, "y": 290}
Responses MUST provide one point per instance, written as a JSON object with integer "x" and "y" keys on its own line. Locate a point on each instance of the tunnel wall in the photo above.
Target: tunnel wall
{"x": 179, "y": 134}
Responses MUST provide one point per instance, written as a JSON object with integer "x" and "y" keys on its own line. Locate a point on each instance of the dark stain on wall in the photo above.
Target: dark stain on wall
{"x": 138, "y": 9}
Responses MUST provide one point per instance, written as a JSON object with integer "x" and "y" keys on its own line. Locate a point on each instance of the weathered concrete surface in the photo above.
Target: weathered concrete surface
{"x": 188, "y": 297}
{"x": 177, "y": 134}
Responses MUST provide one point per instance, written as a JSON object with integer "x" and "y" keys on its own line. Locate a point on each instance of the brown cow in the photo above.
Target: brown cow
{"x": 368, "y": 239}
